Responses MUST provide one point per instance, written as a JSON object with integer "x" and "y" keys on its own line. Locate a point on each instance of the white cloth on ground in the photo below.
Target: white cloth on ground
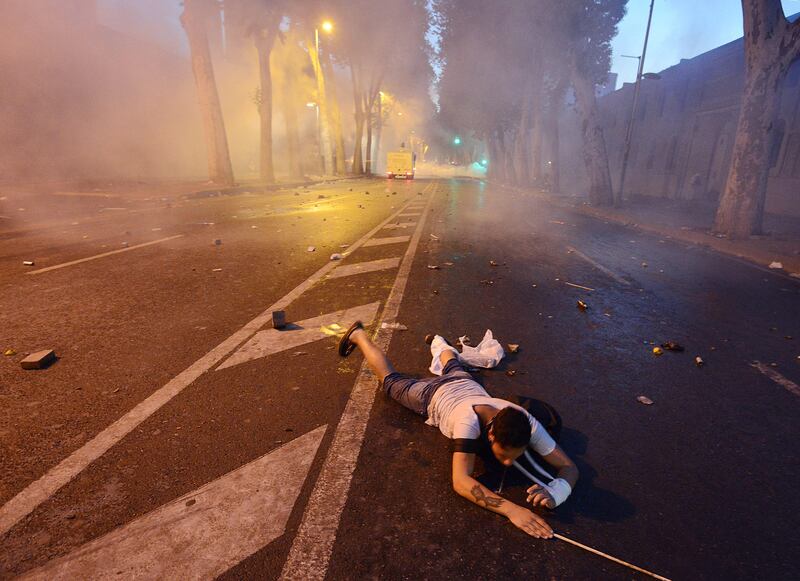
{"x": 487, "y": 354}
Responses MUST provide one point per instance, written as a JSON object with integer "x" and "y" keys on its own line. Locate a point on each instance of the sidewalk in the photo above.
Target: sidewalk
{"x": 692, "y": 222}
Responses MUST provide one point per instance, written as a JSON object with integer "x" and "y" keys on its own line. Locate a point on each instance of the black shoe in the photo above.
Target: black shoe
{"x": 346, "y": 346}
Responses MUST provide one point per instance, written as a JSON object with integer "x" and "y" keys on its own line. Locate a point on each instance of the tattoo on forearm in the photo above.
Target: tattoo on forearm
{"x": 487, "y": 501}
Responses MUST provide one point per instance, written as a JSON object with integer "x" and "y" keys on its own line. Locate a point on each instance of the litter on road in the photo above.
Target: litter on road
{"x": 336, "y": 256}
{"x": 434, "y": 237}
{"x": 9, "y": 352}
{"x": 513, "y": 347}
{"x": 582, "y": 306}
{"x": 39, "y": 360}
{"x": 394, "y": 326}
{"x": 658, "y": 351}
{"x": 645, "y": 400}
{"x": 216, "y": 270}
{"x": 776, "y": 265}
{"x": 433, "y": 267}
{"x": 278, "y": 319}
{"x": 672, "y": 346}
{"x": 217, "y": 241}
{"x": 311, "y": 249}
{"x": 699, "y": 361}
{"x": 577, "y": 286}
{"x": 28, "y": 263}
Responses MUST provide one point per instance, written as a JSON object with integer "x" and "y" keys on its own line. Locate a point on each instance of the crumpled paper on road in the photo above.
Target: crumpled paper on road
{"x": 487, "y": 354}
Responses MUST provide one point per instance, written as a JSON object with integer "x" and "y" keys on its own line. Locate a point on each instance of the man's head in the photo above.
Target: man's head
{"x": 509, "y": 435}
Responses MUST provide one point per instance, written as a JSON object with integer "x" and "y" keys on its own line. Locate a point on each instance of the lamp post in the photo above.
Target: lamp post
{"x": 629, "y": 132}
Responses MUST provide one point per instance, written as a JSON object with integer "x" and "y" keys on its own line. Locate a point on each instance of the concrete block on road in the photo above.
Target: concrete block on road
{"x": 278, "y": 319}
{"x": 39, "y": 360}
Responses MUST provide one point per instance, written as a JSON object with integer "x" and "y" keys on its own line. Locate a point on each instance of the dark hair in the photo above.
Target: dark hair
{"x": 511, "y": 428}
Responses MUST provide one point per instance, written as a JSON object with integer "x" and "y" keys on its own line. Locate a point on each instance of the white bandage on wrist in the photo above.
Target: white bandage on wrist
{"x": 559, "y": 489}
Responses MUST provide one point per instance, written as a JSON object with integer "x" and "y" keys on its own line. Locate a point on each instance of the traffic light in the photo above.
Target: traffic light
{"x": 456, "y": 140}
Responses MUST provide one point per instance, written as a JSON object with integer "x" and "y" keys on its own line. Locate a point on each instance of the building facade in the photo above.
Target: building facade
{"x": 684, "y": 131}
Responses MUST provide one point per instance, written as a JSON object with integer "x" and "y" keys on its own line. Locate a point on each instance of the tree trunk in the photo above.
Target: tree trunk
{"x": 264, "y": 39}
{"x": 555, "y": 145}
{"x": 358, "y": 152}
{"x": 537, "y": 139}
{"x": 322, "y": 102}
{"x": 368, "y": 148}
{"x": 771, "y": 45}
{"x": 219, "y": 159}
{"x": 292, "y": 127}
{"x": 523, "y": 136}
{"x": 594, "y": 145}
{"x": 379, "y": 132}
{"x": 336, "y": 118}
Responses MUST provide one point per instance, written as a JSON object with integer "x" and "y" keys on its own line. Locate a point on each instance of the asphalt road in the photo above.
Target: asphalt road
{"x": 699, "y": 485}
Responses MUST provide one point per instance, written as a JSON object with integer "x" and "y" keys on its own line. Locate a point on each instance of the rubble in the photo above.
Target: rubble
{"x": 39, "y": 360}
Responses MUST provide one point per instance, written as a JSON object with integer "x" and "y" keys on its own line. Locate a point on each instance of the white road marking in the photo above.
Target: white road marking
{"x": 403, "y": 225}
{"x": 410, "y": 215}
{"x": 40, "y": 490}
{"x": 269, "y": 341}
{"x": 362, "y": 267}
{"x": 599, "y": 266}
{"x": 103, "y": 255}
{"x": 785, "y": 383}
{"x": 391, "y": 240}
{"x": 312, "y": 546}
{"x": 203, "y": 533}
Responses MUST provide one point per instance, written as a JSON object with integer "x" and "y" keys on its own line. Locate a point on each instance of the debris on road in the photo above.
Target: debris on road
{"x": 513, "y": 347}
{"x": 582, "y": 306}
{"x": 217, "y": 241}
{"x": 312, "y": 249}
{"x": 39, "y": 360}
{"x": 433, "y": 267}
{"x": 492, "y": 263}
{"x": 434, "y": 237}
{"x": 557, "y": 222}
{"x": 658, "y": 351}
{"x": 336, "y": 256}
{"x": 125, "y": 244}
{"x": 448, "y": 264}
{"x": 511, "y": 372}
{"x": 216, "y": 270}
{"x": 776, "y": 265}
{"x": 9, "y": 352}
{"x": 644, "y": 265}
{"x": 699, "y": 361}
{"x": 577, "y": 286}
{"x": 344, "y": 246}
{"x": 28, "y": 263}
{"x": 672, "y": 346}
{"x": 645, "y": 400}
{"x": 278, "y": 319}
{"x": 321, "y": 197}
{"x": 299, "y": 353}
{"x": 436, "y": 292}
{"x": 394, "y": 326}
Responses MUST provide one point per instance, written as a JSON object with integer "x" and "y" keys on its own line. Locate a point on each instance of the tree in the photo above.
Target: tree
{"x": 193, "y": 18}
{"x": 259, "y": 20}
{"x": 771, "y": 45}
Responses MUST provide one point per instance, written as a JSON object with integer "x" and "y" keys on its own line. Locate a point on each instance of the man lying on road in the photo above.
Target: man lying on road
{"x": 466, "y": 413}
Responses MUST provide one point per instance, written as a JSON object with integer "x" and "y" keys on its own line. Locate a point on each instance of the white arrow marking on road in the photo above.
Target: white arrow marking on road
{"x": 204, "y": 533}
{"x": 271, "y": 341}
{"x": 392, "y": 240}
{"x": 362, "y": 267}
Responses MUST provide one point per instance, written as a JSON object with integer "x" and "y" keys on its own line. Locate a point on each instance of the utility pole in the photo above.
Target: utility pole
{"x": 629, "y": 133}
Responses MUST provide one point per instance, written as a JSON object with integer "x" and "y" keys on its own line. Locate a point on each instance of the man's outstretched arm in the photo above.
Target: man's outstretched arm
{"x": 465, "y": 485}
{"x": 565, "y": 470}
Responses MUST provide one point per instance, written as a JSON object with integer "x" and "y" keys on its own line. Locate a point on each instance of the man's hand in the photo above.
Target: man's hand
{"x": 529, "y": 522}
{"x": 539, "y": 496}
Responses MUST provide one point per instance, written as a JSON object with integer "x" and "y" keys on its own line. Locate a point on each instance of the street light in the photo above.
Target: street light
{"x": 629, "y": 132}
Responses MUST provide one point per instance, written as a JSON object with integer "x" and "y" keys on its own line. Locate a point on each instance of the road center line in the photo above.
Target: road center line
{"x": 103, "y": 255}
{"x": 40, "y": 490}
{"x": 599, "y": 266}
{"x": 785, "y": 383}
{"x": 312, "y": 546}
